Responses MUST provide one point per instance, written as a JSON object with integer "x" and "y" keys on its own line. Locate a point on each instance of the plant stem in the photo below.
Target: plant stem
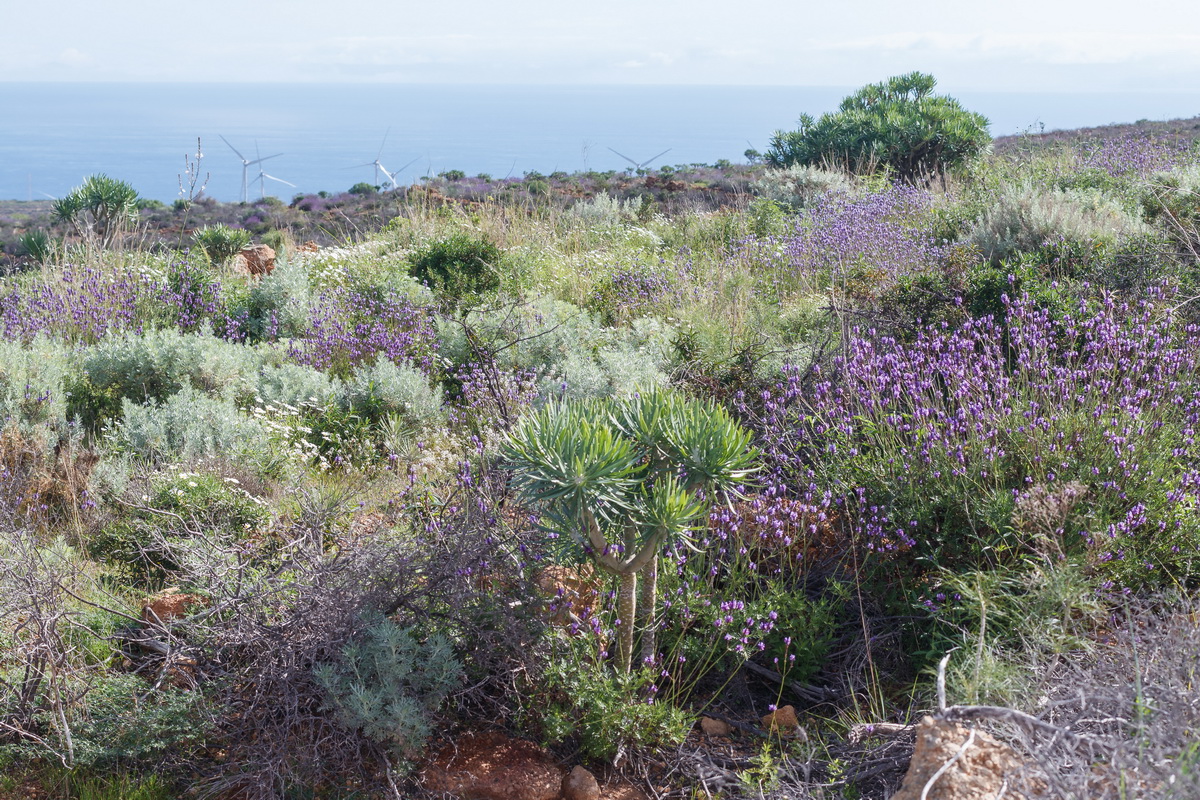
{"x": 626, "y": 610}
{"x": 646, "y": 608}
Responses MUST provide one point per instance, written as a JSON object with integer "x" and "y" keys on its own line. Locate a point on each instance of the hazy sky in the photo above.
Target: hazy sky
{"x": 1020, "y": 45}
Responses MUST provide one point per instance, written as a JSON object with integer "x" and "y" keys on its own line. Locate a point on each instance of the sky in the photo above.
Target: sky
{"x": 1020, "y": 46}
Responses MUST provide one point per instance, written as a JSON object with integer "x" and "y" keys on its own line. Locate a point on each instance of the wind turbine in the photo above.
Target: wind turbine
{"x": 644, "y": 164}
{"x": 379, "y": 167}
{"x": 263, "y": 177}
{"x": 247, "y": 163}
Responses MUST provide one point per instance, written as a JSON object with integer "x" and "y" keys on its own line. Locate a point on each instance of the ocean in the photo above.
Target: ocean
{"x": 52, "y": 135}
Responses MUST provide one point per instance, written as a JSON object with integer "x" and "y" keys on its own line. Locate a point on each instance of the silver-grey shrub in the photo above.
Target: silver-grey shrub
{"x": 160, "y": 362}
{"x": 187, "y": 426}
{"x": 1025, "y": 218}
{"x": 800, "y": 186}
{"x": 387, "y": 683}
{"x": 33, "y": 387}
{"x": 387, "y": 390}
{"x": 568, "y": 349}
{"x": 295, "y": 385}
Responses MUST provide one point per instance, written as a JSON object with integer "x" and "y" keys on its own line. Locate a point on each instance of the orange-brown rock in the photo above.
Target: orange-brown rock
{"x": 985, "y": 770}
{"x": 257, "y": 260}
{"x": 715, "y": 727}
{"x": 579, "y": 784}
{"x": 571, "y": 592}
{"x": 308, "y": 247}
{"x": 169, "y": 604}
{"x": 782, "y": 720}
{"x": 492, "y": 766}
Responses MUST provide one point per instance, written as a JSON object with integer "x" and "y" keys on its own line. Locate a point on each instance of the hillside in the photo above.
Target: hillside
{"x": 707, "y": 481}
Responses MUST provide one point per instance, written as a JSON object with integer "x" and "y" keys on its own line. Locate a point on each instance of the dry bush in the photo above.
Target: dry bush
{"x": 276, "y": 615}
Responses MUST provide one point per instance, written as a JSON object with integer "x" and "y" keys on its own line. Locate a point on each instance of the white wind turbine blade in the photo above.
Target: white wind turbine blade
{"x": 627, "y": 158}
{"x": 264, "y": 158}
{"x": 278, "y": 180}
{"x": 646, "y": 163}
{"x": 234, "y": 149}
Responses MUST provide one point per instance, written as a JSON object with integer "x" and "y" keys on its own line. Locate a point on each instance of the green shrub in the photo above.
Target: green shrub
{"x": 767, "y": 218}
{"x": 37, "y": 245}
{"x": 387, "y": 684}
{"x": 899, "y": 124}
{"x": 608, "y": 712}
{"x": 126, "y": 726}
{"x": 458, "y": 267}
{"x": 363, "y": 188}
{"x": 99, "y": 209}
{"x": 221, "y": 242}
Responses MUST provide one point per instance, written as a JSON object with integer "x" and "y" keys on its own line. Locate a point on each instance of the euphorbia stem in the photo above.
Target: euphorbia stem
{"x": 626, "y": 610}
{"x": 646, "y": 609}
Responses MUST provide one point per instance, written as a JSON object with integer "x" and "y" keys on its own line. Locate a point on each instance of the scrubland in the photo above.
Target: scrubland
{"x": 276, "y": 536}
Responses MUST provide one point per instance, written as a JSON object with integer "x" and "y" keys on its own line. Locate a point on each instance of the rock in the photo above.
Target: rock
{"x": 572, "y": 593}
{"x": 579, "y": 784}
{"x": 257, "y": 259}
{"x": 169, "y": 604}
{"x": 985, "y": 769}
{"x": 782, "y": 720}
{"x": 492, "y": 766}
{"x": 308, "y": 247}
{"x": 715, "y": 727}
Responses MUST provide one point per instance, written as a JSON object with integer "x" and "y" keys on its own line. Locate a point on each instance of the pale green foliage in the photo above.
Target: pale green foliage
{"x": 1007, "y": 620}
{"x": 280, "y": 302}
{"x": 605, "y": 210}
{"x": 158, "y": 363}
{"x": 295, "y": 385}
{"x": 188, "y": 425}
{"x": 800, "y": 185}
{"x": 573, "y": 354}
{"x": 387, "y": 684}
{"x": 32, "y": 394}
{"x": 386, "y": 390}
{"x": 1024, "y": 219}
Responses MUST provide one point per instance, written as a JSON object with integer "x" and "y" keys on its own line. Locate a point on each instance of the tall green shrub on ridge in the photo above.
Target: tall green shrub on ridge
{"x": 898, "y": 124}
{"x": 620, "y": 478}
{"x": 99, "y": 208}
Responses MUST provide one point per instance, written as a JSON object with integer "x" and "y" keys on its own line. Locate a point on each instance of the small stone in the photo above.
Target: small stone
{"x": 715, "y": 727}
{"x": 167, "y": 605}
{"x": 781, "y": 720}
{"x": 579, "y": 784}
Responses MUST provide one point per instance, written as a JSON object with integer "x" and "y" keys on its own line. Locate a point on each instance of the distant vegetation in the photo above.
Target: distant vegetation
{"x": 586, "y": 457}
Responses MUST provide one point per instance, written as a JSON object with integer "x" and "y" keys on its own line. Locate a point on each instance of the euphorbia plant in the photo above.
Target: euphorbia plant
{"x": 619, "y": 478}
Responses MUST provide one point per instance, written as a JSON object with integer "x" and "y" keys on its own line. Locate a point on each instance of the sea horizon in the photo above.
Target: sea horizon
{"x": 324, "y": 136}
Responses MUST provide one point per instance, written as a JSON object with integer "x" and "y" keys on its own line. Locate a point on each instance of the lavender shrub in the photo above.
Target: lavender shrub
{"x": 924, "y": 450}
